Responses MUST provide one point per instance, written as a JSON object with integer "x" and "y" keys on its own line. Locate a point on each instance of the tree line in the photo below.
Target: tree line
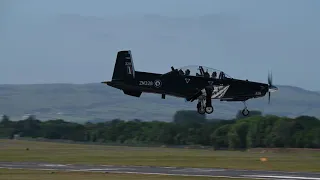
{"x": 187, "y": 128}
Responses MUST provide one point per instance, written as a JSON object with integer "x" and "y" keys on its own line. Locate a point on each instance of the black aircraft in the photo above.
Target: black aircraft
{"x": 191, "y": 82}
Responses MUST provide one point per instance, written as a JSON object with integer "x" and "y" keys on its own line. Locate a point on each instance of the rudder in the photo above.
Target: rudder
{"x": 124, "y": 68}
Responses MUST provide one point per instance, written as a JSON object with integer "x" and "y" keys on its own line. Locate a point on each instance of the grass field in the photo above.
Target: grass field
{"x": 13, "y": 174}
{"x": 15, "y": 150}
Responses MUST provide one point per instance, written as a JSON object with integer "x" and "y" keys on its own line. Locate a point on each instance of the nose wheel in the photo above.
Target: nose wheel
{"x": 245, "y": 111}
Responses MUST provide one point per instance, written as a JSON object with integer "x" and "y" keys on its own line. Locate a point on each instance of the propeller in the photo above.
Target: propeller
{"x": 271, "y": 87}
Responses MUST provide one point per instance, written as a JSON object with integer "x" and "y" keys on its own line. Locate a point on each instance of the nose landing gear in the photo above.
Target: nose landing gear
{"x": 245, "y": 111}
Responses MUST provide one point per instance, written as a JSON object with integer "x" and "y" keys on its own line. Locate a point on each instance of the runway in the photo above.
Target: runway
{"x": 177, "y": 171}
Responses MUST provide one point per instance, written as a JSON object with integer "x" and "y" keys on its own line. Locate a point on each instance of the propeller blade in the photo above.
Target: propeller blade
{"x": 270, "y": 79}
{"x": 270, "y": 86}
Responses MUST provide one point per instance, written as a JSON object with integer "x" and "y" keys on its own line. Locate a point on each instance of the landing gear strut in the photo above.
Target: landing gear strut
{"x": 245, "y": 111}
{"x": 205, "y": 104}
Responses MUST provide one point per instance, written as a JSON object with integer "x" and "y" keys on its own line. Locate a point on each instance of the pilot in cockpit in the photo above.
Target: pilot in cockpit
{"x": 206, "y": 74}
{"x": 181, "y": 72}
{"x": 187, "y": 72}
{"x": 214, "y": 74}
{"x": 221, "y": 75}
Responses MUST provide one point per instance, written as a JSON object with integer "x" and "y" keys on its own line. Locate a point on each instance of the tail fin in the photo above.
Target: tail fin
{"x": 124, "y": 68}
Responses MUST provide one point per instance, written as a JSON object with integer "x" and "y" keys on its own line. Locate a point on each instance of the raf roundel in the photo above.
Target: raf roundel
{"x": 157, "y": 83}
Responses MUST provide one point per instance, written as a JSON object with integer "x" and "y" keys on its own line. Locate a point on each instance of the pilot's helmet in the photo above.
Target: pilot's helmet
{"x": 187, "y": 72}
{"x": 214, "y": 74}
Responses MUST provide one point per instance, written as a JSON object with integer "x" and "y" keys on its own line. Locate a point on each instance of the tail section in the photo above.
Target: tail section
{"x": 124, "y": 68}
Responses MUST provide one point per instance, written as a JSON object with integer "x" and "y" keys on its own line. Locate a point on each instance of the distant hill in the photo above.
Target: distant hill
{"x": 98, "y": 102}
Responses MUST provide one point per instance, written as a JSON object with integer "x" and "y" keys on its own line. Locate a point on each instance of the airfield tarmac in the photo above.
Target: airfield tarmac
{"x": 177, "y": 171}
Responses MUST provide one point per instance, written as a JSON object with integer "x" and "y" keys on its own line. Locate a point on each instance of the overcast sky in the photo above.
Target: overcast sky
{"x": 76, "y": 41}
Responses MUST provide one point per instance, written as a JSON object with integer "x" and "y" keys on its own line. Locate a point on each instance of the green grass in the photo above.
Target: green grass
{"x": 15, "y": 150}
{"x": 14, "y": 174}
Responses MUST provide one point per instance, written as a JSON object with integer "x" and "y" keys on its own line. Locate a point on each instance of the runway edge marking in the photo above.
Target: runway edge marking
{"x": 128, "y": 172}
{"x": 283, "y": 177}
{"x": 187, "y": 175}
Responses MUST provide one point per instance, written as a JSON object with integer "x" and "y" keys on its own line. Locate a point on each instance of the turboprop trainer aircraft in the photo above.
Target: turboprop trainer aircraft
{"x": 190, "y": 82}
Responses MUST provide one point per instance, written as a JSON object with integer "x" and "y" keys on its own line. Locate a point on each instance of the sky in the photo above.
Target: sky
{"x": 75, "y": 41}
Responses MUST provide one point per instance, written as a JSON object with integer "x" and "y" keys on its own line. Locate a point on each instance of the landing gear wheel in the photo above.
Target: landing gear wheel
{"x": 201, "y": 110}
{"x": 209, "y": 110}
{"x": 245, "y": 112}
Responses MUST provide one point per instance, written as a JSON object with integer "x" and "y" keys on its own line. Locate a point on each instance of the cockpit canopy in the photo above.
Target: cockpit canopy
{"x": 202, "y": 71}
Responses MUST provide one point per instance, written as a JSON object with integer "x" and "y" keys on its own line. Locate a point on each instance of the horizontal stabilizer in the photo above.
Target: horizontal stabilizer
{"x": 132, "y": 93}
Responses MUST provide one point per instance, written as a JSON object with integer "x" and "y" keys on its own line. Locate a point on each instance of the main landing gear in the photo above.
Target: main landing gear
{"x": 204, "y": 103}
{"x": 245, "y": 111}
{"x": 203, "y": 108}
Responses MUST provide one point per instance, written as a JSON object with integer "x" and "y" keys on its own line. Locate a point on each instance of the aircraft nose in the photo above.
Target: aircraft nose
{"x": 273, "y": 88}
{"x": 264, "y": 88}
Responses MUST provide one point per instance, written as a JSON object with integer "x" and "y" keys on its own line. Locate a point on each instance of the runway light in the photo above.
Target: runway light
{"x": 263, "y": 159}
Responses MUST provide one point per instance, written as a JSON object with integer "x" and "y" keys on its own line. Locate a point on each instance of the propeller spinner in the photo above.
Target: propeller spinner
{"x": 271, "y": 87}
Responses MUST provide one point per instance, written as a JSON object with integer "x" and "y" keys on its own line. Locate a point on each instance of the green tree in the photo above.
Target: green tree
{"x": 237, "y": 135}
{"x": 5, "y": 120}
{"x": 219, "y": 137}
{"x": 187, "y": 128}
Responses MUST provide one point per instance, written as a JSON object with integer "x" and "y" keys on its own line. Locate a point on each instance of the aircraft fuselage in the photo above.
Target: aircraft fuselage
{"x": 186, "y": 86}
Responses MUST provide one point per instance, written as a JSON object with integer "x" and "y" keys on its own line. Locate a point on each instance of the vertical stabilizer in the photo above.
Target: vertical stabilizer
{"x": 124, "y": 68}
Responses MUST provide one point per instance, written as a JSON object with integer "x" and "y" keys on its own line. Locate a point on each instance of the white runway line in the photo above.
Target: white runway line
{"x": 283, "y": 177}
{"x": 198, "y": 170}
{"x": 106, "y": 169}
{"x": 10, "y": 165}
{"x": 52, "y": 165}
{"x": 128, "y": 172}
{"x": 42, "y": 169}
{"x": 186, "y": 175}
